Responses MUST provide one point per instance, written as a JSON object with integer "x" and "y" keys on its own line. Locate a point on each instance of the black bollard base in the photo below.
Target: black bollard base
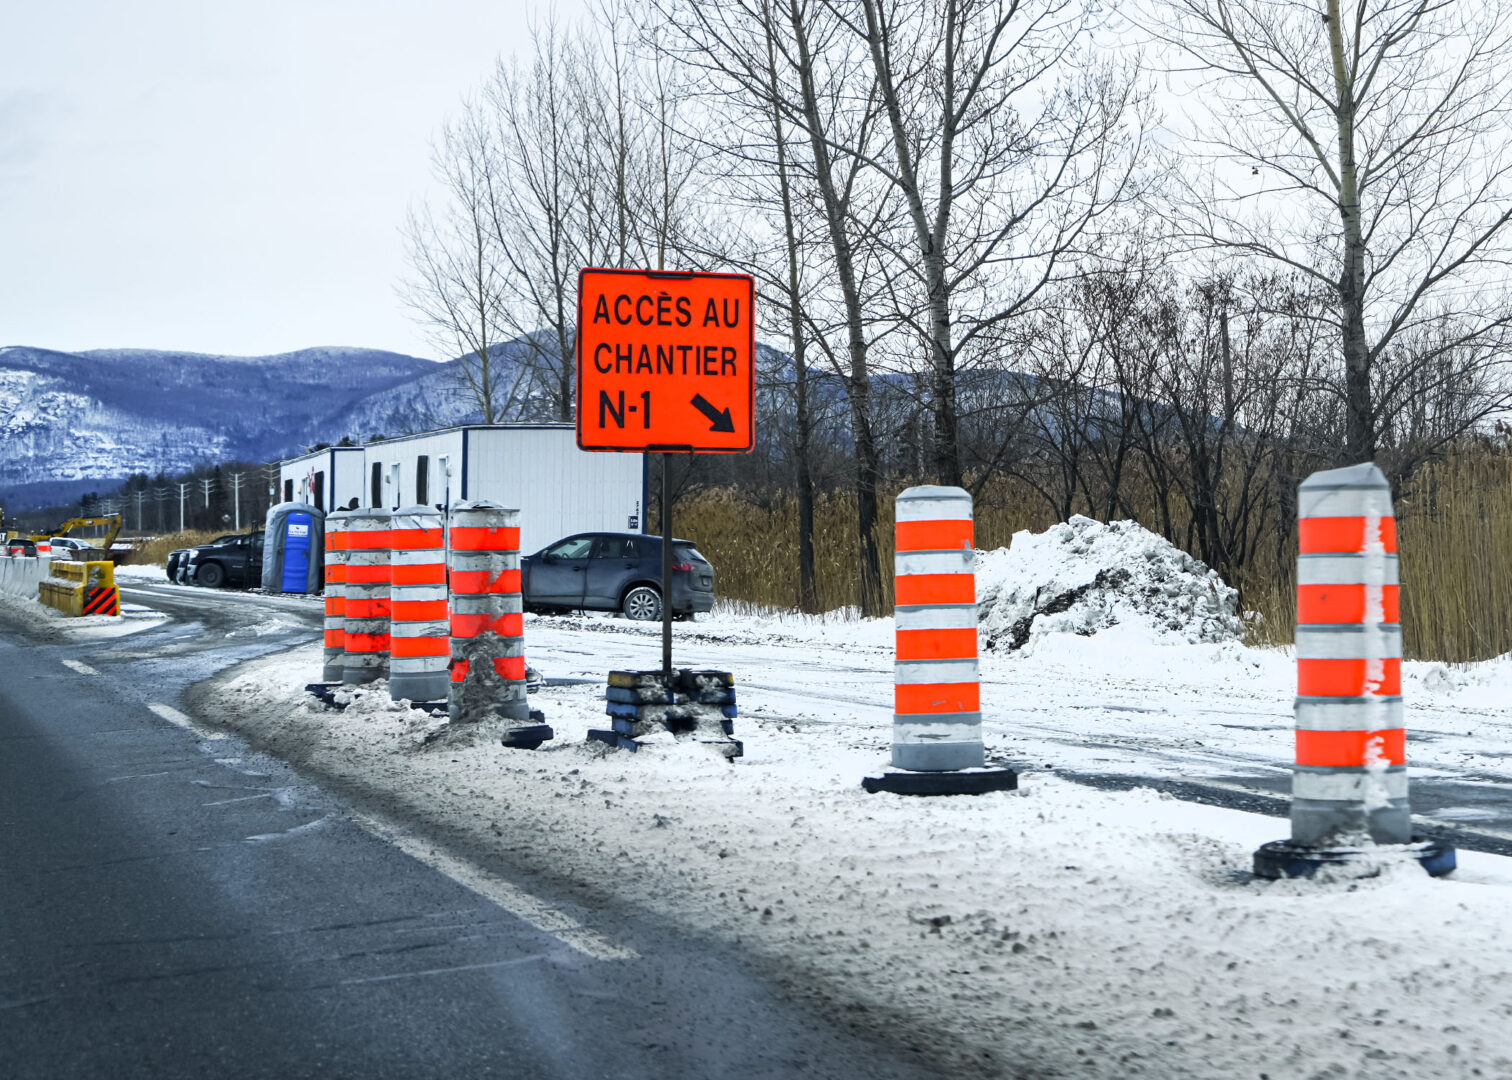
{"x": 613, "y": 739}
{"x": 325, "y": 691}
{"x": 965, "y": 782}
{"x": 529, "y": 736}
{"x": 1284, "y": 859}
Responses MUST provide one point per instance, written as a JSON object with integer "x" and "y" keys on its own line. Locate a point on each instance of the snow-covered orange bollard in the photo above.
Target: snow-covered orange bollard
{"x": 335, "y": 597}
{"x": 488, "y": 623}
{"x": 366, "y": 591}
{"x": 419, "y": 638}
{"x": 1349, "y": 783}
{"x": 937, "y": 713}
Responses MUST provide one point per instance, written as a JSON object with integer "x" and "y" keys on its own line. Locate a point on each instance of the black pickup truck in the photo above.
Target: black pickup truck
{"x": 231, "y": 560}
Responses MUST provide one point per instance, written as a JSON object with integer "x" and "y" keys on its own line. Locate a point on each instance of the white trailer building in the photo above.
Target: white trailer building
{"x": 323, "y": 478}
{"x": 534, "y": 468}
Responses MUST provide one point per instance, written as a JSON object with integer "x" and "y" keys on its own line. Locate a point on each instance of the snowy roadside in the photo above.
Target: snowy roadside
{"x": 1058, "y": 931}
{"x": 42, "y": 623}
{"x": 1126, "y": 700}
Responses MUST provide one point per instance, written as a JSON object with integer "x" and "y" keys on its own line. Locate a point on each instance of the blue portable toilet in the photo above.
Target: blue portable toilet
{"x": 294, "y": 549}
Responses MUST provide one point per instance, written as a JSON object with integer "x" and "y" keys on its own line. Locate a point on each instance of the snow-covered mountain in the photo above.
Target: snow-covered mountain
{"x": 72, "y": 422}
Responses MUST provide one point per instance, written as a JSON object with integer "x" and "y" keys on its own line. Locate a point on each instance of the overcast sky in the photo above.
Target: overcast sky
{"x": 224, "y": 177}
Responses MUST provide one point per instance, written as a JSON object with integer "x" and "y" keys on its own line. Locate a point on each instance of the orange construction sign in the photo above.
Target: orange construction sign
{"x": 665, "y": 361}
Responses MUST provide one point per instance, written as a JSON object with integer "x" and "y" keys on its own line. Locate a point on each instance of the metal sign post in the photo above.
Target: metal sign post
{"x": 666, "y": 567}
{"x": 666, "y": 363}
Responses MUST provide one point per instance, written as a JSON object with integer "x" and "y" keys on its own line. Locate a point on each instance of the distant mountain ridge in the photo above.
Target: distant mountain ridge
{"x": 74, "y": 422}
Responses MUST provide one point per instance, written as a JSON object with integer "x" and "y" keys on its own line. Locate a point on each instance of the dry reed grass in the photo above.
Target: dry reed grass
{"x": 154, "y": 550}
{"x": 1454, "y": 528}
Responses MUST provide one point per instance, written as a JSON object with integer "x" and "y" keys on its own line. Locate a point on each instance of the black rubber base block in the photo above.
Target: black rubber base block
{"x": 614, "y": 739}
{"x": 1284, "y": 859}
{"x": 326, "y": 692}
{"x": 528, "y": 737}
{"x": 970, "y": 782}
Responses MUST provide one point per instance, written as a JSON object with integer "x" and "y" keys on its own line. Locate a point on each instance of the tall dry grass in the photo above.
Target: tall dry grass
{"x": 754, "y": 544}
{"x": 154, "y": 550}
{"x": 1454, "y": 530}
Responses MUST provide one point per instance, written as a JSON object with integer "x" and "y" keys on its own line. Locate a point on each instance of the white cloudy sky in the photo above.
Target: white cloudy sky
{"x": 224, "y": 177}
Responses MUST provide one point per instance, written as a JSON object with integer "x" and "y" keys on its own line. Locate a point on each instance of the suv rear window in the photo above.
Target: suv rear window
{"x": 616, "y": 547}
{"x": 687, "y": 551}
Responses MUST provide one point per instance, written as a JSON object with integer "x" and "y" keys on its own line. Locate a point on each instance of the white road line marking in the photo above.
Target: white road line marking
{"x": 80, "y": 666}
{"x": 513, "y": 962}
{"x": 173, "y": 716}
{"x": 511, "y": 898}
{"x": 244, "y": 798}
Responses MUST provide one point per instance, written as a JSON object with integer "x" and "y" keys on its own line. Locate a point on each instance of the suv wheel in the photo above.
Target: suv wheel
{"x": 211, "y": 575}
{"x": 642, "y": 603}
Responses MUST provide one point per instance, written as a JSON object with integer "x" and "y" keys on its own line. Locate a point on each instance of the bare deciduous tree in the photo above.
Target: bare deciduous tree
{"x": 1009, "y": 141}
{"x": 1364, "y": 146}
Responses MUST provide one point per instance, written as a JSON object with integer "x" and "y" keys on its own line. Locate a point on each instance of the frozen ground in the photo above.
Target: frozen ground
{"x": 141, "y": 572}
{"x": 47, "y": 624}
{"x": 1059, "y": 931}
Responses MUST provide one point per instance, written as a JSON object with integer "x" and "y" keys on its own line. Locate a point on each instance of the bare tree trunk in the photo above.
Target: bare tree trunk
{"x": 930, "y": 236}
{"x": 857, "y": 385}
{"x": 1360, "y": 435}
{"x": 808, "y": 594}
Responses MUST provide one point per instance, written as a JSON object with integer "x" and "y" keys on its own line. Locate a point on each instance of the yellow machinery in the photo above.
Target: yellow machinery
{"x": 111, "y": 523}
{"x": 81, "y": 588}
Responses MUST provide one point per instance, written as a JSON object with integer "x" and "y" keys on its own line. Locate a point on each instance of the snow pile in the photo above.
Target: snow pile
{"x": 1083, "y": 576}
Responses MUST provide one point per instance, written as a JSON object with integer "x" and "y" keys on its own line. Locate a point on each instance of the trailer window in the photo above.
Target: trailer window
{"x": 377, "y": 491}
{"x": 422, "y": 480}
{"x": 288, "y": 491}
{"x": 318, "y": 495}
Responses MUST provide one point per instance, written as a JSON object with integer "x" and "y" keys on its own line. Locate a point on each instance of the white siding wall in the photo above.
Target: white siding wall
{"x": 404, "y": 453}
{"x": 347, "y": 483}
{"x": 558, "y": 489}
{"x": 341, "y": 487}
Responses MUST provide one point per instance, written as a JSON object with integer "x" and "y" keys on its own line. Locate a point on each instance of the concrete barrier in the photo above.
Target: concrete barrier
{"x": 80, "y": 588}
{"x": 22, "y": 574}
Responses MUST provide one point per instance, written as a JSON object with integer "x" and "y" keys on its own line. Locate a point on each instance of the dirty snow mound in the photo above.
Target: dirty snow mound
{"x": 1082, "y": 576}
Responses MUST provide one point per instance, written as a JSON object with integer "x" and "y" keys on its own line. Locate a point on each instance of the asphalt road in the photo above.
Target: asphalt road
{"x": 175, "y": 905}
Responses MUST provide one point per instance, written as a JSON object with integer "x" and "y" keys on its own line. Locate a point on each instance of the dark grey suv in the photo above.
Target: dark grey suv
{"x": 616, "y": 572}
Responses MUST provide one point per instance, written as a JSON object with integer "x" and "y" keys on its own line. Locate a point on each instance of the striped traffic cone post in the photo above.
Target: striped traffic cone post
{"x": 937, "y": 718}
{"x": 334, "y": 668}
{"x": 487, "y": 623}
{"x": 419, "y": 638}
{"x": 1349, "y": 785}
{"x": 366, "y": 621}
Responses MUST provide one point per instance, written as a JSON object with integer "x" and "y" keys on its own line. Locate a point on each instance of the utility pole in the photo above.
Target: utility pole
{"x": 183, "y": 489}
{"x": 141, "y": 496}
{"x": 162, "y": 494}
{"x": 236, "y": 485}
{"x": 207, "y": 483}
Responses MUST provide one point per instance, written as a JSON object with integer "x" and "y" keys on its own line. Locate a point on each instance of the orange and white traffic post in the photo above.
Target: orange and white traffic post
{"x": 937, "y": 713}
{"x": 334, "y": 670}
{"x": 419, "y": 638}
{"x": 1349, "y": 783}
{"x": 366, "y": 589}
{"x": 487, "y": 623}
